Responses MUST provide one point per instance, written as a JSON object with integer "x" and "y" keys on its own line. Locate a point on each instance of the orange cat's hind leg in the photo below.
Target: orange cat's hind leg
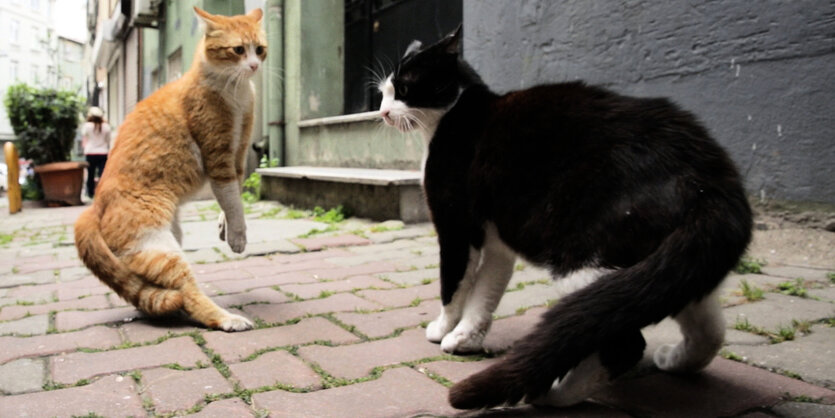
{"x": 159, "y": 261}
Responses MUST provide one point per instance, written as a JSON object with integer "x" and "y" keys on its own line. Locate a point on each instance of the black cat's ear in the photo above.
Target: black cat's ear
{"x": 413, "y": 49}
{"x": 451, "y": 44}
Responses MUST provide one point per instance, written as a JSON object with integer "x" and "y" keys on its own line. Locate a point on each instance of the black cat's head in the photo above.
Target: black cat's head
{"x": 426, "y": 81}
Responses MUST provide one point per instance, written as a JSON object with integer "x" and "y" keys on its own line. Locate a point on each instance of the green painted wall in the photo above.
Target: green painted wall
{"x": 313, "y": 65}
{"x": 366, "y": 144}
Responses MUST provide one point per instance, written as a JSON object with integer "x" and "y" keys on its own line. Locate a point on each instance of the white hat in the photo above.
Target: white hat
{"x": 95, "y": 112}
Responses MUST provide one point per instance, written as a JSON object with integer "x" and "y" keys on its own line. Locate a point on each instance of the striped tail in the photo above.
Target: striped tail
{"x": 98, "y": 257}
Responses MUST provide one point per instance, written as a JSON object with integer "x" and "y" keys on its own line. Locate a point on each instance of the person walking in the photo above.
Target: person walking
{"x": 95, "y": 140}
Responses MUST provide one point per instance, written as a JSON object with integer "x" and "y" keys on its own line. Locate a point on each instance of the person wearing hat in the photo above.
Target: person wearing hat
{"x": 95, "y": 140}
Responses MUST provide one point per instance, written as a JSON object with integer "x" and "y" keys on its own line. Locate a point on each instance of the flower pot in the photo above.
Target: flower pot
{"x": 62, "y": 182}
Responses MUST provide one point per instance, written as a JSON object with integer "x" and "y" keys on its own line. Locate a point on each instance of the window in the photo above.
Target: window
{"x": 13, "y": 73}
{"x": 14, "y": 29}
{"x": 36, "y": 40}
{"x": 175, "y": 65}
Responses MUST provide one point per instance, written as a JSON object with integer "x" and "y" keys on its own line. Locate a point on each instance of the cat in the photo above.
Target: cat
{"x": 568, "y": 176}
{"x": 191, "y": 130}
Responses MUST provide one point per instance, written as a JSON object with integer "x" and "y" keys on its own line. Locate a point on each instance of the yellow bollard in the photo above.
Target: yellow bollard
{"x": 12, "y": 175}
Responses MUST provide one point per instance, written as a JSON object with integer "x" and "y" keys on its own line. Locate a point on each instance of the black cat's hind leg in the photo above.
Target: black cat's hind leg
{"x": 490, "y": 282}
{"x": 703, "y": 327}
{"x": 596, "y": 371}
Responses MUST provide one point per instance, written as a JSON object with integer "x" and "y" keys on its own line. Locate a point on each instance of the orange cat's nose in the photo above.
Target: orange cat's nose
{"x": 253, "y": 66}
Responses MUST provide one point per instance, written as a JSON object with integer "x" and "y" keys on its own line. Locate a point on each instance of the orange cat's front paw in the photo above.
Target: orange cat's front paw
{"x": 234, "y": 322}
{"x": 236, "y": 240}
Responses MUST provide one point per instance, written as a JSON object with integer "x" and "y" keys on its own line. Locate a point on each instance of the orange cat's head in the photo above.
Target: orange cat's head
{"x": 234, "y": 45}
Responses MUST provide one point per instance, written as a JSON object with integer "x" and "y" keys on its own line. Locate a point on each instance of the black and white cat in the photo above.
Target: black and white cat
{"x": 568, "y": 176}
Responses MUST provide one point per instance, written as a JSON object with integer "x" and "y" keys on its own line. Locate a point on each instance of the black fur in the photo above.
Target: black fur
{"x": 575, "y": 176}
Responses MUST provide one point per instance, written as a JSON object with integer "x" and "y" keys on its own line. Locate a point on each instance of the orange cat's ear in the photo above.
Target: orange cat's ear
{"x": 256, "y": 14}
{"x": 207, "y": 18}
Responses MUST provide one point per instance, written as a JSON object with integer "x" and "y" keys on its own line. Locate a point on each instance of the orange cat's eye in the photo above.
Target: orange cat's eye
{"x": 259, "y": 50}
{"x": 239, "y": 50}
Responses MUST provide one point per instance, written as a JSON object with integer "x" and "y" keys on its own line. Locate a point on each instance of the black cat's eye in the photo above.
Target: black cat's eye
{"x": 259, "y": 50}
{"x": 402, "y": 89}
{"x": 239, "y": 50}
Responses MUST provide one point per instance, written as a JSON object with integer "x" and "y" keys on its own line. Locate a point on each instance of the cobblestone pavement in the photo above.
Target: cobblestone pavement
{"x": 340, "y": 309}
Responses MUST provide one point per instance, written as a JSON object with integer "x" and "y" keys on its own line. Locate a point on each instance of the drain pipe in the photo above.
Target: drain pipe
{"x": 273, "y": 104}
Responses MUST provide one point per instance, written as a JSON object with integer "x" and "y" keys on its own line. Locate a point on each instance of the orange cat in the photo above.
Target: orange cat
{"x": 191, "y": 130}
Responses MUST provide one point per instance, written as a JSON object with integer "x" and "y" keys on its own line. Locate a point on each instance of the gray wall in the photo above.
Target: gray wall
{"x": 760, "y": 74}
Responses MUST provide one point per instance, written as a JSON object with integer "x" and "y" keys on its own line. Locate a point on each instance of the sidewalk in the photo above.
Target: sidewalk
{"x": 340, "y": 317}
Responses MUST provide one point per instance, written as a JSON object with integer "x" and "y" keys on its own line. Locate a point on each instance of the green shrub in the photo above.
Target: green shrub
{"x": 44, "y": 121}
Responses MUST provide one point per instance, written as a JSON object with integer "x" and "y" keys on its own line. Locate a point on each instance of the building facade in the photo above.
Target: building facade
{"x": 27, "y": 49}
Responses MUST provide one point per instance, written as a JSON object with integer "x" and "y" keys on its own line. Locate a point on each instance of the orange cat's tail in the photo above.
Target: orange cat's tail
{"x": 97, "y": 256}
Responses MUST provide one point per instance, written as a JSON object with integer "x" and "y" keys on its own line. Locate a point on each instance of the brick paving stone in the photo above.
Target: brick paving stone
{"x": 725, "y": 388}
{"x": 531, "y": 295}
{"x": 147, "y": 330}
{"x": 826, "y": 294}
{"x": 357, "y": 259}
{"x": 779, "y": 310}
{"x": 412, "y": 277}
{"x": 313, "y": 290}
{"x": 19, "y": 311}
{"x": 70, "y": 320}
{"x": 173, "y": 390}
{"x": 337, "y": 273}
{"x": 403, "y": 234}
{"x": 95, "y": 337}
{"x": 791, "y": 272}
{"x": 274, "y": 269}
{"x": 425, "y": 262}
{"x": 506, "y": 331}
{"x": 116, "y": 301}
{"x": 383, "y": 397}
{"x": 278, "y": 313}
{"x": 804, "y": 410}
{"x": 380, "y": 324}
{"x": 27, "y": 267}
{"x": 261, "y": 295}
{"x": 275, "y": 367}
{"x": 23, "y": 291}
{"x": 108, "y": 396}
{"x": 24, "y": 375}
{"x": 232, "y": 286}
{"x": 33, "y": 325}
{"x": 456, "y": 371}
{"x": 33, "y": 278}
{"x": 69, "y": 368}
{"x": 383, "y": 247}
{"x": 233, "y": 347}
{"x": 231, "y": 265}
{"x": 318, "y": 243}
{"x": 236, "y": 274}
{"x": 357, "y": 360}
{"x": 403, "y": 296}
{"x": 794, "y": 356}
{"x": 71, "y": 293}
{"x": 227, "y": 408}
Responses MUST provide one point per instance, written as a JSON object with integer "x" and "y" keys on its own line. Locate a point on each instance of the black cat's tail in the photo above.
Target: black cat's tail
{"x": 686, "y": 267}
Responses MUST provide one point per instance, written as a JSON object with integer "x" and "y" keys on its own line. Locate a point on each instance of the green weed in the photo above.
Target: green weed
{"x": 752, "y": 293}
{"x": 794, "y": 288}
{"x": 749, "y": 265}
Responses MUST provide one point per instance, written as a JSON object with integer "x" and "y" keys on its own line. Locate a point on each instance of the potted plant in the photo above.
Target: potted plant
{"x": 45, "y": 122}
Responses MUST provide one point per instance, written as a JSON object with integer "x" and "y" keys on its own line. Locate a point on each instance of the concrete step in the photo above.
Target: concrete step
{"x": 369, "y": 193}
